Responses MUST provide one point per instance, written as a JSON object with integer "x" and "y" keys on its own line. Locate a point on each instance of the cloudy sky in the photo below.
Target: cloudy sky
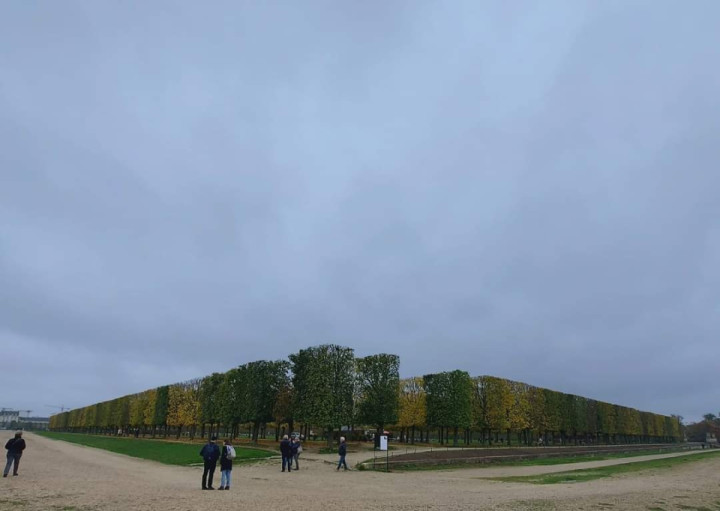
{"x": 523, "y": 189}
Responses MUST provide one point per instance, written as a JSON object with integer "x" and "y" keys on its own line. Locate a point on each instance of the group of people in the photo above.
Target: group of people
{"x": 210, "y": 454}
{"x": 290, "y": 450}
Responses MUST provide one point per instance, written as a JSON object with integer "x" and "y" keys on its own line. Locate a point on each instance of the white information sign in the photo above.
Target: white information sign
{"x": 383, "y": 443}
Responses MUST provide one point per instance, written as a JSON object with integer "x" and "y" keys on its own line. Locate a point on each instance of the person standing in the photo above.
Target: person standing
{"x": 210, "y": 454}
{"x": 296, "y": 450}
{"x": 286, "y": 453}
{"x": 342, "y": 451}
{"x": 15, "y": 447}
{"x": 225, "y": 466}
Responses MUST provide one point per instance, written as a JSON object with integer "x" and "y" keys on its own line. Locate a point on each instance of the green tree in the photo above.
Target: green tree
{"x": 232, "y": 394}
{"x": 378, "y": 379}
{"x": 607, "y": 420}
{"x": 553, "y": 412}
{"x": 265, "y": 381}
{"x": 568, "y": 416}
{"x": 323, "y": 379}
{"x": 162, "y": 400}
{"x": 449, "y": 401}
{"x": 209, "y": 396}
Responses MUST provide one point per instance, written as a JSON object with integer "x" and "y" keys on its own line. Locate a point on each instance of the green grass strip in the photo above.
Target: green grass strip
{"x": 171, "y": 453}
{"x": 577, "y": 476}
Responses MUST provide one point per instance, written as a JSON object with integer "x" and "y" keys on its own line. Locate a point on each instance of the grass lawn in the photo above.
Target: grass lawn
{"x": 171, "y": 453}
{"x": 576, "y": 476}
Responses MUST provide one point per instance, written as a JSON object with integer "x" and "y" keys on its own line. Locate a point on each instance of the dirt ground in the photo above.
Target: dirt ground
{"x": 56, "y": 475}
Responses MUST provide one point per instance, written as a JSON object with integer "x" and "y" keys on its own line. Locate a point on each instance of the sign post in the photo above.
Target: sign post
{"x": 384, "y": 447}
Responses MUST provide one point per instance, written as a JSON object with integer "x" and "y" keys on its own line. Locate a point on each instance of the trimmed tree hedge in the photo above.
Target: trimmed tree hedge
{"x": 327, "y": 387}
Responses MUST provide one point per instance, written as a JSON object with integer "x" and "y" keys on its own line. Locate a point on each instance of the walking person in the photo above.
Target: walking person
{"x": 15, "y": 447}
{"x": 226, "y": 457}
{"x": 342, "y": 451}
{"x": 296, "y": 449}
{"x": 286, "y": 453}
{"x": 210, "y": 454}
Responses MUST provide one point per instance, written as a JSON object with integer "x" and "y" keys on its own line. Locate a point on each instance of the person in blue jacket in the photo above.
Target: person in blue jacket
{"x": 286, "y": 453}
{"x": 210, "y": 454}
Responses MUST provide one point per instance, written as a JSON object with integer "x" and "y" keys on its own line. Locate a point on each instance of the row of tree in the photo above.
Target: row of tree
{"x": 327, "y": 387}
{"x": 494, "y": 409}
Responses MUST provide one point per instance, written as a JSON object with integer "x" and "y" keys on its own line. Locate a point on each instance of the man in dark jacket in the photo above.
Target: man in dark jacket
{"x": 286, "y": 452}
{"x": 15, "y": 447}
{"x": 210, "y": 454}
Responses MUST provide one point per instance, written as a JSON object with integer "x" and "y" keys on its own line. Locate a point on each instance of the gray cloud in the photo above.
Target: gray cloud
{"x": 520, "y": 191}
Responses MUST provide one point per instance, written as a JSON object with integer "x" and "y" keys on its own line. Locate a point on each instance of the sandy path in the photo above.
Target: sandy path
{"x": 56, "y": 475}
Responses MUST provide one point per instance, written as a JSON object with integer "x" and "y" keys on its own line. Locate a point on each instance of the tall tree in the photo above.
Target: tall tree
{"x": 553, "y": 411}
{"x": 231, "y": 394}
{"x": 378, "y": 378}
{"x": 265, "y": 381}
{"x": 161, "y": 406}
{"x": 449, "y": 401}
{"x": 323, "y": 379}
{"x": 209, "y": 395}
{"x": 184, "y": 406}
{"x": 151, "y": 397}
{"x": 137, "y": 410}
{"x": 519, "y": 416}
{"x": 412, "y": 405}
{"x": 500, "y": 401}
{"x": 283, "y": 410}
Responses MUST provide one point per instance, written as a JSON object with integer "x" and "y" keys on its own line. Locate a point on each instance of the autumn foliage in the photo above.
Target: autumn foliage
{"x": 326, "y": 388}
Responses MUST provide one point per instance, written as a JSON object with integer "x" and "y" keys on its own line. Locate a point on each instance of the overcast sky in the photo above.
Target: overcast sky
{"x": 524, "y": 189}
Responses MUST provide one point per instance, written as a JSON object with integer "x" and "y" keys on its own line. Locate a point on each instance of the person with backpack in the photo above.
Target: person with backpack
{"x": 210, "y": 454}
{"x": 296, "y": 449}
{"x": 15, "y": 447}
{"x": 226, "y": 456}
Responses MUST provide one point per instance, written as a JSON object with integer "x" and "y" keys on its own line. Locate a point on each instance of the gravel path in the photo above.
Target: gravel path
{"x": 57, "y": 475}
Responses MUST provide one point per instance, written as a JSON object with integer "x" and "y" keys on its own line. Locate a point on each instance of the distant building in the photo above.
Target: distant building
{"x": 9, "y": 418}
{"x": 705, "y": 432}
{"x": 35, "y": 423}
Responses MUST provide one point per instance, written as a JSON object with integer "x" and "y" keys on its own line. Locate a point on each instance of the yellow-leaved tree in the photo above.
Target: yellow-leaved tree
{"x": 149, "y": 415}
{"x": 412, "y": 406}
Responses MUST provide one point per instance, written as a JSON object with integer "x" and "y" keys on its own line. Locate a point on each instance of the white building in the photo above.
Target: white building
{"x": 9, "y": 418}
